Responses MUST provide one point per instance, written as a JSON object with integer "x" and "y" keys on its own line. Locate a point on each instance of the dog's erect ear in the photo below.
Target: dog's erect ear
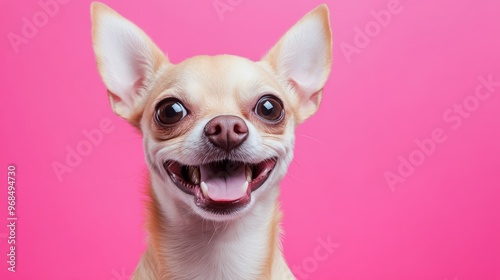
{"x": 126, "y": 57}
{"x": 303, "y": 58}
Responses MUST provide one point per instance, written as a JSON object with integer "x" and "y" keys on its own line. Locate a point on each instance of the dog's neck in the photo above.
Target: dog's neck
{"x": 184, "y": 246}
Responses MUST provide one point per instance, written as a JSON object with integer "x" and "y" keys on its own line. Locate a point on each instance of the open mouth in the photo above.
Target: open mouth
{"x": 220, "y": 187}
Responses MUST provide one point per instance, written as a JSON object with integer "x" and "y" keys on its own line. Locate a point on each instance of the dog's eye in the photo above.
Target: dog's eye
{"x": 270, "y": 108}
{"x": 170, "y": 111}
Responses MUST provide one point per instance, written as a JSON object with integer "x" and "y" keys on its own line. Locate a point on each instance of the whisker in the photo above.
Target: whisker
{"x": 310, "y": 137}
{"x": 215, "y": 231}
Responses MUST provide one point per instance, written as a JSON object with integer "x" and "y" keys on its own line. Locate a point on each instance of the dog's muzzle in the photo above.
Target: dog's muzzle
{"x": 223, "y": 184}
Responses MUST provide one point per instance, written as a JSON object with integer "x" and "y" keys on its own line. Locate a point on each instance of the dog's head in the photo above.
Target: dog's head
{"x": 218, "y": 130}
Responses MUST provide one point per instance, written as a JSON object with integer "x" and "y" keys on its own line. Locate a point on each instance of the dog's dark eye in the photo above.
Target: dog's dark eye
{"x": 270, "y": 108}
{"x": 170, "y": 111}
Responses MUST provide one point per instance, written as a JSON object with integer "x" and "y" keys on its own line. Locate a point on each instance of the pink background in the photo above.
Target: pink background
{"x": 442, "y": 222}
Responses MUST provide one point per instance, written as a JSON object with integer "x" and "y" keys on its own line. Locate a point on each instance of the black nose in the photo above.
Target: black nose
{"x": 226, "y": 132}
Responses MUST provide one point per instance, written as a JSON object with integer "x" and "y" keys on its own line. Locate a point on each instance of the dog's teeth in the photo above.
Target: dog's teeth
{"x": 194, "y": 175}
{"x": 248, "y": 172}
{"x": 245, "y": 187}
{"x": 204, "y": 189}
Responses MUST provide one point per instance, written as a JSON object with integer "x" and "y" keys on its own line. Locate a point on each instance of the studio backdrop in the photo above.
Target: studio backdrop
{"x": 397, "y": 177}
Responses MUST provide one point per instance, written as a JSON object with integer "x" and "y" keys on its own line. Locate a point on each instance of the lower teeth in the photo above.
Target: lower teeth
{"x": 204, "y": 189}
{"x": 248, "y": 172}
{"x": 245, "y": 187}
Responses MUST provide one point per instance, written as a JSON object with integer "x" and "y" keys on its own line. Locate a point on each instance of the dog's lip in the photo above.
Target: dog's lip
{"x": 261, "y": 172}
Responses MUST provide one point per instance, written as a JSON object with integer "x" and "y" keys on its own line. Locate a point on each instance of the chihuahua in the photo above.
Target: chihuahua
{"x": 218, "y": 134}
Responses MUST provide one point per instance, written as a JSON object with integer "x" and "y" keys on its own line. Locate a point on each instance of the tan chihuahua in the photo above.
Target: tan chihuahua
{"x": 218, "y": 138}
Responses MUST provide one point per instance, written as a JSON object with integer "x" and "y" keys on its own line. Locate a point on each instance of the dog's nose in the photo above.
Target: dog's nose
{"x": 226, "y": 132}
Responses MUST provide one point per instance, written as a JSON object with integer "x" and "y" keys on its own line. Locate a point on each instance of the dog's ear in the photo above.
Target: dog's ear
{"x": 127, "y": 59}
{"x": 303, "y": 58}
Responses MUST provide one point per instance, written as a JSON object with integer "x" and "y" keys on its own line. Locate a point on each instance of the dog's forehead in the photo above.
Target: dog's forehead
{"x": 225, "y": 67}
{"x": 222, "y": 76}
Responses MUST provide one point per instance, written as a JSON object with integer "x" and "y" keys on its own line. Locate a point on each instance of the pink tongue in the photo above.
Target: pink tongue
{"x": 224, "y": 181}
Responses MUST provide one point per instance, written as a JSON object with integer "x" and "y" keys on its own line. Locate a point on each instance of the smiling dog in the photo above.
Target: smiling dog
{"x": 218, "y": 137}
